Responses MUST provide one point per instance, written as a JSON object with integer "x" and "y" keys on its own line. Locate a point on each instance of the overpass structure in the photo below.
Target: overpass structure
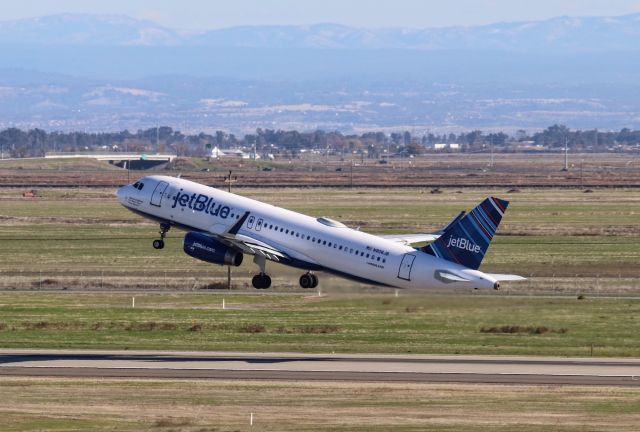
{"x": 123, "y": 160}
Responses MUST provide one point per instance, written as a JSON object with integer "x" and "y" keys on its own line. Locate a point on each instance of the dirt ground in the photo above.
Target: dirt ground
{"x": 439, "y": 170}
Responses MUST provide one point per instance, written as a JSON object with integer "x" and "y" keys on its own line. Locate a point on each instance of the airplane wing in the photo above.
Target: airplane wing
{"x": 247, "y": 244}
{"x": 252, "y": 246}
{"x": 410, "y": 239}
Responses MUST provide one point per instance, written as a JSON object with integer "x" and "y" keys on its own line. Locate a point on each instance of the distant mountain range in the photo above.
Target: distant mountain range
{"x": 112, "y": 72}
{"x": 573, "y": 34}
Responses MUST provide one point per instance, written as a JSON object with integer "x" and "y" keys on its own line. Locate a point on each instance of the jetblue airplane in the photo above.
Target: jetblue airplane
{"x": 222, "y": 227}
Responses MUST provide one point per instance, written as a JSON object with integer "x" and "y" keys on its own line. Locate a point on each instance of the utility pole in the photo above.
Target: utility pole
{"x": 566, "y": 155}
{"x": 491, "y": 149}
{"x": 351, "y": 174}
{"x": 228, "y": 180}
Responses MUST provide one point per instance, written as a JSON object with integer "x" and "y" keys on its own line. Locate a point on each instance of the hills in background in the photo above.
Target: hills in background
{"x": 113, "y": 72}
{"x": 578, "y": 34}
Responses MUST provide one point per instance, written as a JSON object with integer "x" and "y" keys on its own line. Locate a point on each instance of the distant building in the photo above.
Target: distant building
{"x": 446, "y": 146}
{"x": 232, "y": 153}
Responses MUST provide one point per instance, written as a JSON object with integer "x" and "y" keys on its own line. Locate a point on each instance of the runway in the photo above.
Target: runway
{"x": 325, "y": 367}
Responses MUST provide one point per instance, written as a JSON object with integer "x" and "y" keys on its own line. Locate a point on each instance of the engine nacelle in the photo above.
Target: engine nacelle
{"x": 205, "y": 248}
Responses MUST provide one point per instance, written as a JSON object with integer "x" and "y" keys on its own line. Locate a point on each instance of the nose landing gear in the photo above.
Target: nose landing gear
{"x": 164, "y": 228}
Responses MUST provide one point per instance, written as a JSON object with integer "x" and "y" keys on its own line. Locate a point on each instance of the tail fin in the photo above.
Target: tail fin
{"x": 467, "y": 239}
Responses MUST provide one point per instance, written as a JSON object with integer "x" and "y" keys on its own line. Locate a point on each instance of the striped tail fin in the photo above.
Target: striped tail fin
{"x": 466, "y": 241}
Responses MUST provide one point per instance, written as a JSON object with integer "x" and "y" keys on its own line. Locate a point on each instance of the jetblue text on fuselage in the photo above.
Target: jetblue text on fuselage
{"x": 463, "y": 243}
{"x": 200, "y": 203}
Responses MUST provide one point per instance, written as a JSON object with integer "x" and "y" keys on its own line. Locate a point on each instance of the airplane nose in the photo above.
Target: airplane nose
{"x": 120, "y": 194}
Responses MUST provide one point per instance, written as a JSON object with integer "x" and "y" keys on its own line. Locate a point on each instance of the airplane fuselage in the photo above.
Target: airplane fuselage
{"x": 308, "y": 243}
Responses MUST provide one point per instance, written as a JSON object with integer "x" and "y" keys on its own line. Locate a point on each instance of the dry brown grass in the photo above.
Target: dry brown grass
{"x": 437, "y": 170}
{"x": 189, "y": 405}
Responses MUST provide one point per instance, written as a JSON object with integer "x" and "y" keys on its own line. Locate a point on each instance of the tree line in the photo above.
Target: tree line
{"x": 17, "y": 143}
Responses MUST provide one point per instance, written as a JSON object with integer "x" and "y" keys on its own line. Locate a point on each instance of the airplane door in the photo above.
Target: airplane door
{"x": 405, "y": 267}
{"x": 158, "y": 193}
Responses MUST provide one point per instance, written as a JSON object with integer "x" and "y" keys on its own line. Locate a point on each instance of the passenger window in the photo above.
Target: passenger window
{"x": 367, "y": 255}
{"x": 329, "y": 244}
{"x": 287, "y": 232}
{"x": 324, "y": 242}
{"x": 378, "y": 258}
{"x": 281, "y": 229}
{"x": 340, "y": 248}
{"x": 308, "y": 237}
{"x": 384, "y": 260}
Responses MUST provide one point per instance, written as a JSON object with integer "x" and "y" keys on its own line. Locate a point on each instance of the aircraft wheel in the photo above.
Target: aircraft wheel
{"x": 315, "y": 281}
{"x": 261, "y": 281}
{"x": 158, "y": 244}
{"x": 306, "y": 281}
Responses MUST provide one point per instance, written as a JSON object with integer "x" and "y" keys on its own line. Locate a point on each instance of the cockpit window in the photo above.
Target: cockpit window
{"x": 140, "y": 186}
{"x": 135, "y": 185}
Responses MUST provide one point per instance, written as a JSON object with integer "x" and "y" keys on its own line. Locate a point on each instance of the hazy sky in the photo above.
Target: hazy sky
{"x": 208, "y": 14}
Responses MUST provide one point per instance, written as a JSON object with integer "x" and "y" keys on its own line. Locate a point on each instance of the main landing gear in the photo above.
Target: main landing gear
{"x": 308, "y": 280}
{"x": 261, "y": 280}
{"x": 164, "y": 228}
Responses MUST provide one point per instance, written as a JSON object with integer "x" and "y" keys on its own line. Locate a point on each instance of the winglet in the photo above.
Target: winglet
{"x": 233, "y": 230}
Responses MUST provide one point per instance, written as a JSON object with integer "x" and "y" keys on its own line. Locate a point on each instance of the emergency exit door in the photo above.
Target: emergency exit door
{"x": 405, "y": 267}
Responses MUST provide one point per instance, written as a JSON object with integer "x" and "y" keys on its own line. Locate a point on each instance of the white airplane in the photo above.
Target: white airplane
{"x": 222, "y": 227}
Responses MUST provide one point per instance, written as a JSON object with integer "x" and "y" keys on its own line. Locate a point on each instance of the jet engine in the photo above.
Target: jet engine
{"x": 205, "y": 248}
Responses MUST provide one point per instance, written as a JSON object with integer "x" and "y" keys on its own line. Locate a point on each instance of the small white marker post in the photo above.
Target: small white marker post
{"x": 251, "y": 420}
{"x": 133, "y": 302}
{"x": 396, "y": 293}
{"x": 319, "y": 292}
{"x": 223, "y": 305}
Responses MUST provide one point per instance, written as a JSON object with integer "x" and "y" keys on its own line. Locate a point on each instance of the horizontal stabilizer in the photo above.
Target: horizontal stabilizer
{"x": 506, "y": 277}
{"x": 448, "y": 277}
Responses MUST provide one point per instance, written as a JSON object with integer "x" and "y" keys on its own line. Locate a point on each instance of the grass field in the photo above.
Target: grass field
{"x": 449, "y": 324}
{"x": 71, "y": 261}
{"x": 206, "y": 406}
{"x": 557, "y": 233}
